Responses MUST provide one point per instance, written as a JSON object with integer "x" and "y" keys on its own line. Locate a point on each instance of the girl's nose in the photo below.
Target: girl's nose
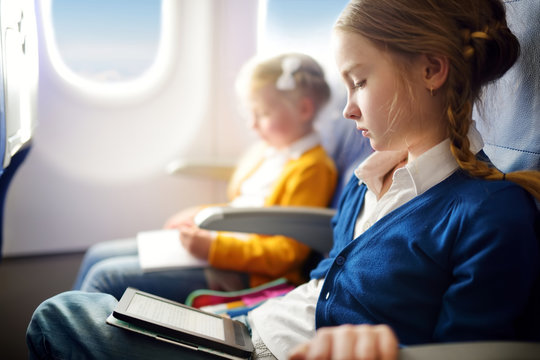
{"x": 351, "y": 111}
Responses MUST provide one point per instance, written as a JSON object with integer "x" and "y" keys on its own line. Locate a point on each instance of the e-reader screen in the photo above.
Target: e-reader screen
{"x": 183, "y": 323}
{"x": 173, "y": 315}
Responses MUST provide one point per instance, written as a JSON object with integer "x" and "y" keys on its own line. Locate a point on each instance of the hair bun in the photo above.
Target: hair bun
{"x": 499, "y": 51}
{"x": 496, "y": 49}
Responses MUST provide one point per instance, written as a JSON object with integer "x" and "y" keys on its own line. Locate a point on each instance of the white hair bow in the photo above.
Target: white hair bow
{"x": 289, "y": 66}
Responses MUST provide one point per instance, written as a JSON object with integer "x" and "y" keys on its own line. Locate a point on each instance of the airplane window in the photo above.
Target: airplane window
{"x": 288, "y": 25}
{"x": 107, "y": 41}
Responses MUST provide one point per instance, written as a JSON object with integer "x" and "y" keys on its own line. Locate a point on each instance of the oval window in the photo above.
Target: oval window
{"x": 107, "y": 40}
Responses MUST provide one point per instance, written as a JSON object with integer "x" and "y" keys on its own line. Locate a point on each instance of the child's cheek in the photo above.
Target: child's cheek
{"x": 279, "y": 126}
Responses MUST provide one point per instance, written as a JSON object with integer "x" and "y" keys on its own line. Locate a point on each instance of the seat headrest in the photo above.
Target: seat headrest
{"x": 509, "y": 118}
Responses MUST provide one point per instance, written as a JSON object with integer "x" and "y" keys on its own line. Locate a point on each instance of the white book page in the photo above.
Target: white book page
{"x": 162, "y": 250}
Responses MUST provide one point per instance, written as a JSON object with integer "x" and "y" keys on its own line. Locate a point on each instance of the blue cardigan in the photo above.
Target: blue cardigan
{"x": 459, "y": 262}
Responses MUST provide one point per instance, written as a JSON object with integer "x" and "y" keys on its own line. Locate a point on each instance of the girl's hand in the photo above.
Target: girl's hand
{"x": 196, "y": 240}
{"x": 184, "y": 217}
{"x": 350, "y": 342}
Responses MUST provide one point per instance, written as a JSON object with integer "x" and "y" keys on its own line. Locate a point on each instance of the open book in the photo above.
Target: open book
{"x": 162, "y": 250}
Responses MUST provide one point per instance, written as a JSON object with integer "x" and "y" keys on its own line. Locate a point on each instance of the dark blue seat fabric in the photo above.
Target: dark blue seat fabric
{"x": 348, "y": 148}
{"x": 345, "y": 145}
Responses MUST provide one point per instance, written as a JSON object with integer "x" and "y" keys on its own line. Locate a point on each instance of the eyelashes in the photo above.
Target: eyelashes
{"x": 359, "y": 84}
{"x": 354, "y": 85}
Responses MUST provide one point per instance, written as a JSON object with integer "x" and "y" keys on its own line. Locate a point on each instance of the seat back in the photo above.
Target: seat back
{"x": 346, "y": 146}
{"x": 509, "y": 119}
{"x": 510, "y": 113}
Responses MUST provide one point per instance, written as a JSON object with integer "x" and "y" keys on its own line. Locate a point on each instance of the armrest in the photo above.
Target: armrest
{"x": 209, "y": 168}
{"x": 485, "y": 350}
{"x": 308, "y": 225}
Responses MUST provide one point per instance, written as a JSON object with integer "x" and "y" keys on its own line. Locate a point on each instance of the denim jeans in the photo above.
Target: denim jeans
{"x": 110, "y": 267}
{"x": 102, "y": 251}
{"x": 72, "y": 326}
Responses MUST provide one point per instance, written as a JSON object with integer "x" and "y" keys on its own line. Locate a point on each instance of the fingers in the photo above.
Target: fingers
{"x": 184, "y": 217}
{"x": 299, "y": 353}
{"x": 375, "y": 342}
{"x": 187, "y": 234}
{"x": 196, "y": 241}
{"x": 388, "y": 343}
{"x": 320, "y": 347}
{"x": 315, "y": 349}
{"x": 363, "y": 344}
{"x": 323, "y": 347}
{"x": 350, "y": 342}
{"x": 178, "y": 223}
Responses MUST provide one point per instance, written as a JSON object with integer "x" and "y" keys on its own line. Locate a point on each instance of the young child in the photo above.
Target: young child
{"x": 284, "y": 94}
{"x": 428, "y": 239}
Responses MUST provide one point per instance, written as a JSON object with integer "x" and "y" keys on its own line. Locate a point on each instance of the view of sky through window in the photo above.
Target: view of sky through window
{"x": 300, "y": 25}
{"x": 107, "y": 40}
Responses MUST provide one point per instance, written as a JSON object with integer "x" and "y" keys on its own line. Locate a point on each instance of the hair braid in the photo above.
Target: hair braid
{"x": 459, "y": 120}
{"x": 459, "y": 115}
{"x": 459, "y": 145}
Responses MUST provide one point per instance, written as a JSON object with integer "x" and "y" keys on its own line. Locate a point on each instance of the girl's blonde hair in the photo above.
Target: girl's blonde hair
{"x": 300, "y": 74}
{"x": 472, "y": 34}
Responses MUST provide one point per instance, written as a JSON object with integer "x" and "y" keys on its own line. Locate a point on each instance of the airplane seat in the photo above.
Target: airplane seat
{"x": 346, "y": 146}
{"x": 509, "y": 116}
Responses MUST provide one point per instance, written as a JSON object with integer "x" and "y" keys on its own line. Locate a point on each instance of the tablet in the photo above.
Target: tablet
{"x": 177, "y": 323}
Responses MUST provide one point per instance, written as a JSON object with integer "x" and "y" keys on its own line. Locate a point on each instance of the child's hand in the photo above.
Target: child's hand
{"x": 196, "y": 240}
{"x": 181, "y": 218}
{"x": 350, "y": 342}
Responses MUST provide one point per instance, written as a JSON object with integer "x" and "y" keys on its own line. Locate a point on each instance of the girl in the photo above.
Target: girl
{"x": 428, "y": 239}
{"x": 284, "y": 94}
{"x": 440, "y": 54}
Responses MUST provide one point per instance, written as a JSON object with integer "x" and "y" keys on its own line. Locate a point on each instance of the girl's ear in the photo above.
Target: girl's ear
{"x": 306, "y": 108}
{"x": 435, "y": 71}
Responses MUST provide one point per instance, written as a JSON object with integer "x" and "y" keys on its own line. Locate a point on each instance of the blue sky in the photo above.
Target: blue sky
{"x": 116, "y": 39}
{"x": 302, "y": 25}
{"x": 304, "y": 14}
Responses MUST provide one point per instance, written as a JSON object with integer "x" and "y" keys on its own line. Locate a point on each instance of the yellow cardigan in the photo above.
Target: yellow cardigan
{"x": 309, "y": 180}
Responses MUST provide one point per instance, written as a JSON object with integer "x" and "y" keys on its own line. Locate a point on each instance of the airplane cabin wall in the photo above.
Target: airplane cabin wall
{"x": 97, "y": 167}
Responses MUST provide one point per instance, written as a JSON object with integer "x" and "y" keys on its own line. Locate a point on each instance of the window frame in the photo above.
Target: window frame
{"x": 129, "y": 90}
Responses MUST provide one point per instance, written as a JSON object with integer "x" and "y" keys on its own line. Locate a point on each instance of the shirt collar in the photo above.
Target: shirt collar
{"x": 371, "y": 171}
{"x": 297, "y": 148}
{"x": 427, "y": 170}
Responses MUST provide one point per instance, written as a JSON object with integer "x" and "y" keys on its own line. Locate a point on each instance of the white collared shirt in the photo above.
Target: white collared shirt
{"x": 412, "y": 180}
{"x": 258, "y": 186}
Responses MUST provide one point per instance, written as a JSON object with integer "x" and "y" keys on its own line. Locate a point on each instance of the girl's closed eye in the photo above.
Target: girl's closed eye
{"x": 359, "y": 84}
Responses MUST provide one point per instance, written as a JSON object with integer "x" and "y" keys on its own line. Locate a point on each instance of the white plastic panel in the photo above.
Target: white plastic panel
{"x": 97, "y": 169}
{"x": 20, "y": 67}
